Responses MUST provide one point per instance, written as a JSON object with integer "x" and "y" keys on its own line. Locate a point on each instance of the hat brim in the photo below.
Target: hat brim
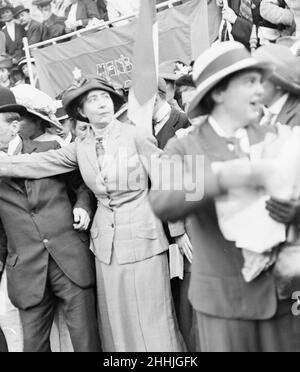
{"x": 70, "y": 102}
{"x": 13, "y": 108}
{"x": 56, "y": 124}
{"x": 286, "y": 84}
{"x": 168, "y": 76}
{"x": 206, "y": 86}
{"x": 21, "y": 11}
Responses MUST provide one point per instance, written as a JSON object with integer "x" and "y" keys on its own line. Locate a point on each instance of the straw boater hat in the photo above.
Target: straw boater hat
{"x": 8, "y": 102}
{"x": 217, "y": 63}
{"x": 83, "y": 85}
{"x": 286, "y": 73}
{"x": 37, "y": 103}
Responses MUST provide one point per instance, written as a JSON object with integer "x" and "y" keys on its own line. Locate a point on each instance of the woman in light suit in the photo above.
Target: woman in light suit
{"x": 134, "y": 297}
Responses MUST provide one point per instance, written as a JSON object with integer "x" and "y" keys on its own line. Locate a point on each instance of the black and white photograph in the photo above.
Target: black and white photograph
{"x": 149, "y": 179}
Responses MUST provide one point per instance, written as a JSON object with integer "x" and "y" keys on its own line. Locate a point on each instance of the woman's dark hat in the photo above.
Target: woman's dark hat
{"x": 20, "y": 9}
{"x": 83, "y": 85}
{"x": 8, "y": 102}
{"x": 41, "y": 2}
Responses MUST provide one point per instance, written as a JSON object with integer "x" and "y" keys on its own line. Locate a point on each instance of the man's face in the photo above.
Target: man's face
{"x": 46, "y": 11}
{"x": 24, "y": 18}
{"x": 6, "y": 15}
{"x": 270, "y": 92}
{"x": 29, "y": 128}
{"x": 4, "y": 75}
{"x": 242, "y": 99}
{"x": 26, "y": 70}
{"x": 98, "y": 108}
{"x": 187, "y": 95}
{"x": 7, "y": 132}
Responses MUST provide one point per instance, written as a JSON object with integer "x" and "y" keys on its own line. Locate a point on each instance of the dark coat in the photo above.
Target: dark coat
{"x": 15, "y": 48}
{"x": 241, "y": 30}
{"x": 178, "y": 120}
{"x": 86, "y": 10}
{"x": 290, "y": 114}
{"x": 53, "y": 27}
{"x": 37, "y": 216}
{"x": 35, "y": 32}
{"x": 102, "y": 9}
{"x": 217, "y": 286}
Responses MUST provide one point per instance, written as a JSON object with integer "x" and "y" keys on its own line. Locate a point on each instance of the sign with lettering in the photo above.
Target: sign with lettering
{"x": 183, "y": 35}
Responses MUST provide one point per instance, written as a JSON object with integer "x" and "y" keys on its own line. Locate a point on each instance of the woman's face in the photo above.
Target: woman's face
{"x": 98, "y": 108}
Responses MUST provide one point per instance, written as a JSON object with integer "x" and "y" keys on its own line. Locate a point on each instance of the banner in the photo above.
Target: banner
{"x": 183, "y": 35}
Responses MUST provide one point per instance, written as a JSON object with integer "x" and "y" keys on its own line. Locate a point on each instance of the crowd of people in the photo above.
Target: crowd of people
{"x": 89, "y": 227}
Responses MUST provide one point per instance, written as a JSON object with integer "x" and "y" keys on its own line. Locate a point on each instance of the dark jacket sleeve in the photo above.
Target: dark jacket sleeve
{"x": 3, "y": 248}
{"x": 91, "y": 11}
{"x": 102, "y": 9}
{"x": 80, "y": 195}
{"x": 176, "y": 200}
{"x": 54, "y": 27}
{"x": 35, "y": 33}
{"x": 241, "y": 31}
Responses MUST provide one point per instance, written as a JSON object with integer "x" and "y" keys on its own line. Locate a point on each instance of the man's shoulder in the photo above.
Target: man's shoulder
{"x": 188, "y": 143}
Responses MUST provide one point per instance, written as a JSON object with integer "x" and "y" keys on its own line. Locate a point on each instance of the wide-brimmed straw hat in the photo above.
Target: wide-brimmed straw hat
{"x": 286, "y": 73}
{"x": 8, "y": 102}
{"x": 84, "y": 85}
{"x": 215, "y": 64}
{"x": 37, "y": 103}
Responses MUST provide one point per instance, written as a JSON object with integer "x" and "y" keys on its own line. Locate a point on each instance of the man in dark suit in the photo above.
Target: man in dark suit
{"x": 232, "y": 315}
{"x": 282, "y": 88}
{"x": 13, "y": 32}
{"x": 282, "y": 106}
{"x": 79, "y": 13}
{"x": 53, "y": 25}
{"x": 101, "y": 5}
{"x": 3, "y": 244}
{"x": 47, "y": 259}
{"x": 242, "y": 14}
{"x": 33, "y": 29}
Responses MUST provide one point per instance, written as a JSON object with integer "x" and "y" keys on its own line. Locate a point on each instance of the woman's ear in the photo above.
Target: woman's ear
{"x": 217, "y": 95}
{"x": 82, "y": 113}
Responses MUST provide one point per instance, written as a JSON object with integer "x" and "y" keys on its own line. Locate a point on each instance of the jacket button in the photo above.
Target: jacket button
{"x": 45, "y": 241}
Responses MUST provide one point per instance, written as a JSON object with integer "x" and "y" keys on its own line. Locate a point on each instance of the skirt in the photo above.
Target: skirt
{"x": 136, "y": 311}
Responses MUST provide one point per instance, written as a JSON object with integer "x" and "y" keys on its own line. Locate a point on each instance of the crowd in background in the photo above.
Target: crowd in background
{"x": 254, "y": 23}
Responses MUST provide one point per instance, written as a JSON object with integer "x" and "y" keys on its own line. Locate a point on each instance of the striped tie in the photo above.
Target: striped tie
{"x": 246, "y": 10}
{"x": 100, "y": 150}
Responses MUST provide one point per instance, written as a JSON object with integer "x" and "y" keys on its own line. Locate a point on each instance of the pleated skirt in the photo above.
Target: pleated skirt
{"x": 136, "y": 311}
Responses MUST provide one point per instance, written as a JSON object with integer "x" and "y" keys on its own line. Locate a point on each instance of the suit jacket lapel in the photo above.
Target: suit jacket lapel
{"x": 113, "y": 143}
{"x": 287, "y": 113}
{"x": 89, "y": 146}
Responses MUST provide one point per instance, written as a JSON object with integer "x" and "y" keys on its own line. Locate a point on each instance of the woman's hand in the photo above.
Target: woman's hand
{"x": 185, "y": 246}
{"x": 81, "y": 219}
{"x": 229, "y": 15}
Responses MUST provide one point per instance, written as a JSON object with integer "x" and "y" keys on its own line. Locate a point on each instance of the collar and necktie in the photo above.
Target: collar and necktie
{"x": 267, "y": 119}
{"x": 100, "y": 150}
{"x": 246, "y": 10}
